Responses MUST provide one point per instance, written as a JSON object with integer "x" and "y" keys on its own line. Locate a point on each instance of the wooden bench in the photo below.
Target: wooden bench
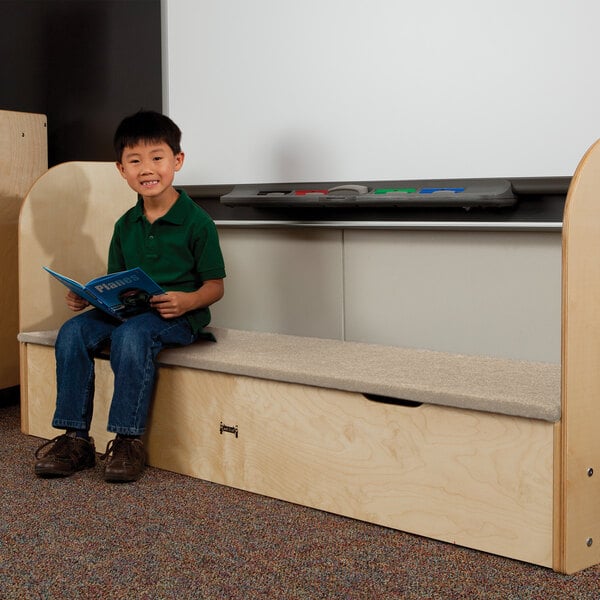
{"x": 493, "y": 454}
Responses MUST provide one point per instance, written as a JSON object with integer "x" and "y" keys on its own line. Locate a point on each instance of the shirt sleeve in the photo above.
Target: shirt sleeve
{"x": 209, "y": 257}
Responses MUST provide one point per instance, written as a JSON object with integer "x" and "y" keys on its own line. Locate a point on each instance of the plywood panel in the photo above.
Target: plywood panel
{"x": 579, "y": 507}
{"x": 23, "y": 158}
{"x": 9, "y": 306}
{"x": 66, "y": 223}
{"x": 465, "y": 477}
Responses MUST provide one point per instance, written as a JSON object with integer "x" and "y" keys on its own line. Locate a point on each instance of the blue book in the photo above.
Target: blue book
{"x": 121, "y": 294}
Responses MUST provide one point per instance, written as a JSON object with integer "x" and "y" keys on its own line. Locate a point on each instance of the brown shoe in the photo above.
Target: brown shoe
{"x": 126, "y": 459}
{"x": 66, "y": 454}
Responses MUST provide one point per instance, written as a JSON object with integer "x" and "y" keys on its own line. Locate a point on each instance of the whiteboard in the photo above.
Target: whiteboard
{"x": 269, "y": 91}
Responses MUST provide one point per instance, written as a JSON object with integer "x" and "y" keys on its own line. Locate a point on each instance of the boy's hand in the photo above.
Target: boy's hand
{"x": 171, "y": 304}
{"x": 75, "y": 302}
{"x": 176, "y": 304}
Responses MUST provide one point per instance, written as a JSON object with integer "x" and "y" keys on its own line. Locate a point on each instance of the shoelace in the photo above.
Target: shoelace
{"x": 119, "y": 449}
{"x": 62, "y": 446}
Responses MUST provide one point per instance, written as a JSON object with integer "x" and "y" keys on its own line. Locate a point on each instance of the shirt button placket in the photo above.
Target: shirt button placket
{"x": 151, "y": 249}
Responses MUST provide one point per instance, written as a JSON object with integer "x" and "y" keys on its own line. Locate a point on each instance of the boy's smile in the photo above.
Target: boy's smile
{"x": 149, "y": 168}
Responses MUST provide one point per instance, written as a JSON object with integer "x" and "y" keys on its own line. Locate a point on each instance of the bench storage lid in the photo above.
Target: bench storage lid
{"x": 518, "y": 388}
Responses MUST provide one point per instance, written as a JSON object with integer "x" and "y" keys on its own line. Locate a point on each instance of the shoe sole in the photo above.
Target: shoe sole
{"x": 52, "y": 473}
{"x": 120, "y": 478}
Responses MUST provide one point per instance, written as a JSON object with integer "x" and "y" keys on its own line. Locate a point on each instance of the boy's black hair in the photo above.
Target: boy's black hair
{"x": 146, "y": 126}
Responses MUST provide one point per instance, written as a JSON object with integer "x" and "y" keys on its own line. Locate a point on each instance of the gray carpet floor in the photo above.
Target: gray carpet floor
{"x": 170, "y": 536}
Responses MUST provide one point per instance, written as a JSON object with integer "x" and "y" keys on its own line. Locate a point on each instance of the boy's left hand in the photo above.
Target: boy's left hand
{"x": 175, "y": 304}
{"x": 171, "y": 304}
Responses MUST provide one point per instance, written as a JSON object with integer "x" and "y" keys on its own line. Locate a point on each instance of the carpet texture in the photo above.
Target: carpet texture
{"x": 170, "y": 536}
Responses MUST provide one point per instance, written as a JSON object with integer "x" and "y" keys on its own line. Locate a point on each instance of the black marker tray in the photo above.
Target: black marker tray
{"x": 464, "y": 193}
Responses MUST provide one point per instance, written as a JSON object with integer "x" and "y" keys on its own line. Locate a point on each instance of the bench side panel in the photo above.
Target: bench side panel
{"x": 66, "y": 223}
{"x": 578, "y": 472}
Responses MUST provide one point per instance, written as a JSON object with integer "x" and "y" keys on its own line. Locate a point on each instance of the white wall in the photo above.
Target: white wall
{"x": 333, "y": 90}
{"x": 288, "y": 281}
{"x": 327, "y": 90}
{"x": 491, "y": 293}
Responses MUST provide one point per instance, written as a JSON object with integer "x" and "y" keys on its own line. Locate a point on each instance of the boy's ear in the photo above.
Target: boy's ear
{"x": 120, "y": 168}
{"x": 179, "y": 158}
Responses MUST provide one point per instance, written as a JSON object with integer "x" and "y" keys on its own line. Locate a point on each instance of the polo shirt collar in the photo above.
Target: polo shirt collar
{"x": 176, "y": 215}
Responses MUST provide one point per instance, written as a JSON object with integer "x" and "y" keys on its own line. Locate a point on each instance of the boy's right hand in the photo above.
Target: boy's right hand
{"x": 75, "y": 302}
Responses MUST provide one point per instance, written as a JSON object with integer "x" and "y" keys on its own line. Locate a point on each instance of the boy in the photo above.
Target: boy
{"x": 176, "y": 243}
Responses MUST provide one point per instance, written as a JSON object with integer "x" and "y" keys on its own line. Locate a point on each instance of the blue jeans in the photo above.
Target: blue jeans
{"x": 134, "y": 346}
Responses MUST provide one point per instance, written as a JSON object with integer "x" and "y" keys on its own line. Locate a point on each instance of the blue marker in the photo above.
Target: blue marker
{"x": 436, "y": 190}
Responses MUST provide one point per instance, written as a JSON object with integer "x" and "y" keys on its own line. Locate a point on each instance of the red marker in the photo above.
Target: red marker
{"x": 305, "y": 192}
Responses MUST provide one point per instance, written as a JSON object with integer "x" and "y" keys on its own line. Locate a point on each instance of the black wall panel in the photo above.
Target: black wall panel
{"x": 83, "y": 63}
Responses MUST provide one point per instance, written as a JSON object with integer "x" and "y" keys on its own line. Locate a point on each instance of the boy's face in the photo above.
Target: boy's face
{"x": 149, "y": 168}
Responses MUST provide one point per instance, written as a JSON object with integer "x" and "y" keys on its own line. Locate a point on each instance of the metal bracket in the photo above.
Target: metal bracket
{"x": 228, "y": 429}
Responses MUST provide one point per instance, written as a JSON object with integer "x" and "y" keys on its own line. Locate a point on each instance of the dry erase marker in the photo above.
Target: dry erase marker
{"x": 395, "y": 191}
{"x": 307, "y": 192}
{"x": 434, "y": 190}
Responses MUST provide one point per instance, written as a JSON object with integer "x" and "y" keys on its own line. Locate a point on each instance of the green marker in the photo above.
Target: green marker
{"x": 395, "y": 191}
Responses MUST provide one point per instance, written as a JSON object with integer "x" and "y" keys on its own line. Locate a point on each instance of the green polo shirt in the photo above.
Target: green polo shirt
{"x": 179, "y": 251}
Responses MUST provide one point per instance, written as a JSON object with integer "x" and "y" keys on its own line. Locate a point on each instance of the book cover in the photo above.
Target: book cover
{"x": 121, "y": 294}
